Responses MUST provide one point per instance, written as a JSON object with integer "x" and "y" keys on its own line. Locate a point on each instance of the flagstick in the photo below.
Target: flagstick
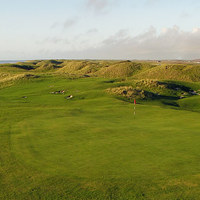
{"x": 134, "y": 107}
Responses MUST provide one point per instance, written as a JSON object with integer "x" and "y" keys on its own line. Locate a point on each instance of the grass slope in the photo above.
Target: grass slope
{"x": 179, "y": 72}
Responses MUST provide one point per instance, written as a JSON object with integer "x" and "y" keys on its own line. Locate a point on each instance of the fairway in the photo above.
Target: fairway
{"x": 92, "y": 146}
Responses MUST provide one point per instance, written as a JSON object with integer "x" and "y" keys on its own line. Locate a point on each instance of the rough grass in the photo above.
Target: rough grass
{"x": 10, "y": 79}
{"x": 192, "y": 103}
{"x": 78, "y": 67}
{"x": 179, "y": 72}
{"x": 114, "y": 69}
{"x": 167, "y": 88}
{"x": 130, "y": 92}
{"x": 123, "y": 69}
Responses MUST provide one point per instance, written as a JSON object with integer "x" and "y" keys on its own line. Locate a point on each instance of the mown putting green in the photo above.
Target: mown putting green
{"x": 92, "y": 146}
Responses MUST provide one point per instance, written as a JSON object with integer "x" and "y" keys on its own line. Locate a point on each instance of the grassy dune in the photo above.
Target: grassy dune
{"x": 92, "y": 147}
{"x": 179, "y": 72}
{"x": 113, "y": 69}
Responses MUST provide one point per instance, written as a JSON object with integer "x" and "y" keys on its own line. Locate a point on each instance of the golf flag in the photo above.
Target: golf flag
{"x": 134, "y": 101}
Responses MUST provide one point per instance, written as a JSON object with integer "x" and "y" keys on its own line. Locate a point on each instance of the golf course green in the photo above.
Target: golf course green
{"x": 87, "y": 144}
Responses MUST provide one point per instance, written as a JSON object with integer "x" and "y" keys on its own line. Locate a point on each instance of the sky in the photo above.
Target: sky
{"x": 99, "y": 29}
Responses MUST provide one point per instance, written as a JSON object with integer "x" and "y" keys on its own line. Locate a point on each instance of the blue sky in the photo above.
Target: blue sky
{"x": 99, "y": 29}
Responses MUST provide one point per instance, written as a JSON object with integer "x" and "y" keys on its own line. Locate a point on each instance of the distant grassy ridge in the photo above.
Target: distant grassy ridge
{"x": 166, "y": 82}
{"x": 112, "y": 69}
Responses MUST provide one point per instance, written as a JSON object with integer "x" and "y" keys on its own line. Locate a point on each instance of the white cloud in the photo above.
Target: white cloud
{"x": 92, "y": 31}
{"x": 196, "y": 30}
{"x": 70, "y": 22}
{"x": 100, "y": 6}
{"x": 172, "y": 43}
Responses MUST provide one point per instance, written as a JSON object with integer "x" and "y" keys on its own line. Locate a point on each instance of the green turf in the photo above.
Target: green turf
{"x": 92, "y": 147}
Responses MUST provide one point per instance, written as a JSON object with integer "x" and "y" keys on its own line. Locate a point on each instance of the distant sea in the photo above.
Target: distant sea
{"x": 10, "y": 61}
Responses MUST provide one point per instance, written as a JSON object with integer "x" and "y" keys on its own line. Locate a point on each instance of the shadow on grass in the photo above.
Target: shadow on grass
{"x": 161, "y": 99}
{"x": 26, "y": 67}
